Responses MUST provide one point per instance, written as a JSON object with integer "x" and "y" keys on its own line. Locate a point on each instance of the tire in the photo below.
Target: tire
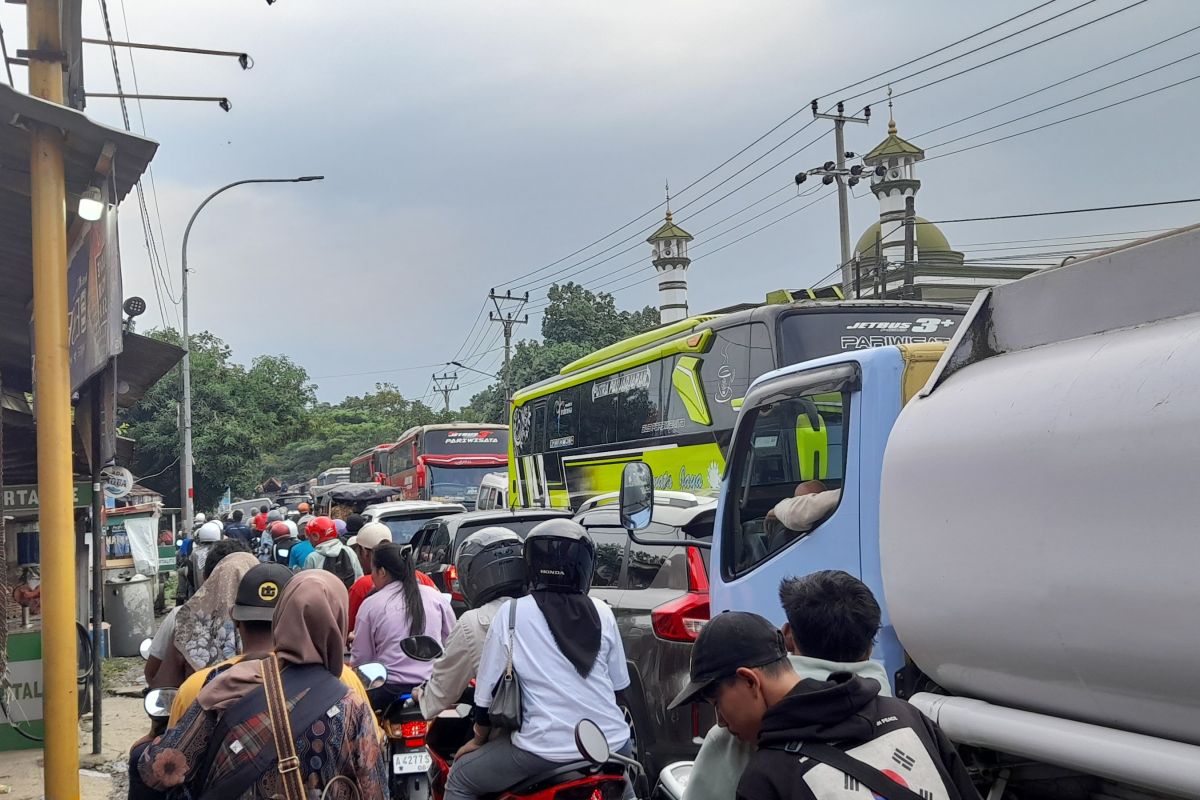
{"x": 638, "y": 733}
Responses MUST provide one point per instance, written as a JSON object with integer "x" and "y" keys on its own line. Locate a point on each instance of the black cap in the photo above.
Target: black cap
{"x": 259, "y": 592}
{"x": 728, "y": 642}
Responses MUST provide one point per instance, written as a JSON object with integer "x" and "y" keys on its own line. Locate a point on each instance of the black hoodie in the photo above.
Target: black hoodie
{"x": 848, "y": 713}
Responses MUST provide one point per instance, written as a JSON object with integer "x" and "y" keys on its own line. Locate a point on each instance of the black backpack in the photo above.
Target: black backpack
{"x": 283, "y": 551}
{"x": 341, "y": 566}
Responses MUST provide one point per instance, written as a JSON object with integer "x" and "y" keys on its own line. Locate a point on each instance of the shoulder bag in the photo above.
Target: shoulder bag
{"x": 505, "y": 710}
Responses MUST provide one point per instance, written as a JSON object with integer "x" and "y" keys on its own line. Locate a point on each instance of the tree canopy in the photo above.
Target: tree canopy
{"x": 263, "y": 420}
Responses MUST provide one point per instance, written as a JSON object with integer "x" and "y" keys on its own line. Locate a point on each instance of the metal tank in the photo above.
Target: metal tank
{"x": 1051, "y": 563}
{"x": 129, "y": 610}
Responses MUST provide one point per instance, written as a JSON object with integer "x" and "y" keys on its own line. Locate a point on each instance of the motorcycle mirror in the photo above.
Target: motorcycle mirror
{"x": 144, "y": 648}
{"x": 591, "y": 742}
{"x": 637, "y": 496}
{"x": 373, "y": 674}
{"x": 158, "y": 702}
{"x": 421, "y": 648}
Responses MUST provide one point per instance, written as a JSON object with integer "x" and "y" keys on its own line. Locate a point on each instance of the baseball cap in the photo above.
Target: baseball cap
{"x": 728, "y": 642}
{"x": 373, "y": 534}
{"x": 259, "y": 591}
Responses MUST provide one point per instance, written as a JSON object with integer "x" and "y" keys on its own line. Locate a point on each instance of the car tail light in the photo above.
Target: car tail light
{"x": 681, "y": 619}
{"x": 452, "y": 584}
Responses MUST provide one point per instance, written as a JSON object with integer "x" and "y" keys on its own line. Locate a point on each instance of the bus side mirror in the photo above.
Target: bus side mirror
{"x": 637, "y": 496}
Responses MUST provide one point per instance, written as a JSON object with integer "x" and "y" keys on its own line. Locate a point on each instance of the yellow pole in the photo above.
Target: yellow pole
{"x": 60, "y": 776}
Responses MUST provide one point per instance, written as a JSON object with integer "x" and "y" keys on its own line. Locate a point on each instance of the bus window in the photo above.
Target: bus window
{"x": 792, "y": 447}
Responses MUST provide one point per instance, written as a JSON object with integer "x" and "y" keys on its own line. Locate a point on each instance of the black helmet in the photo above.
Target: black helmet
{"x": 490, "y": 565}
{"x": 561, "y": 557}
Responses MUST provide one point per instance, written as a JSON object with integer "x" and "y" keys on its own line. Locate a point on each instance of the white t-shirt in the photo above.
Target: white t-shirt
{"x": 554, "y": 697}
{"x": 164, "y": 637}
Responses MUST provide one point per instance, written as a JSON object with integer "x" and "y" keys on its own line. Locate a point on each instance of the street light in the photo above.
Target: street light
{"x": 471, "y": 369}
{"x": 91, "y": 204}
{"x": 185, "y": 459}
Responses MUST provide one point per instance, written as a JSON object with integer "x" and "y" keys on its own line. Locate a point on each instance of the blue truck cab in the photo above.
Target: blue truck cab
{"x": 825, "y": 421}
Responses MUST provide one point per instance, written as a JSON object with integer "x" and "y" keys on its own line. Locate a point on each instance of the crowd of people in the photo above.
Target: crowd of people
{"x": 295, "y": 615}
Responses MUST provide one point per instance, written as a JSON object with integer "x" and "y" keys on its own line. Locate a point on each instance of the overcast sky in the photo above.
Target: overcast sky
{"x": 467, "y": 143}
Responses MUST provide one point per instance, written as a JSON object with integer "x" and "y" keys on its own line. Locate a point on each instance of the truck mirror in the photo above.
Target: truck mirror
{"x": 637, "y": 496}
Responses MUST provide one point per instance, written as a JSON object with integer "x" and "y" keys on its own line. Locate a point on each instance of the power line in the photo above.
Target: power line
{"x": 1065, "y": 102}
{"x": 1079, "y": 236}
{"x": 1056, "y": 84}
{"x": 1002, "y": 56}
{"x": 514, "y": 282}
{"x": 1155, "y": 204}
{"x": 1066, "y": 119}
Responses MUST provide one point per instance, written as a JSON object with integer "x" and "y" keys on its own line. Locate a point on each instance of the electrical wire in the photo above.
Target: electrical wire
{"x": 785, "y": 121}
{"x": 1002, "y": 56}
{"x": 1064, "y": 102}
{"x": 1056, "y": 84}
{"x": 995, "y": 217}
{"x": 1066, "y": 119}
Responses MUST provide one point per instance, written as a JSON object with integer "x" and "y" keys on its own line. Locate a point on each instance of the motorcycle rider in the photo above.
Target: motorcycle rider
{"x": 567, "y": 655}
{"x": 491, "y": 571}
{"x": 330, "y": 553}
{"x": 399, "y": 608}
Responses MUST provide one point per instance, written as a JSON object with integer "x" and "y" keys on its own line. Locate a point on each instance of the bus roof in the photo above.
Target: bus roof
{"x": 447, "y": 426}
{"x": 657, "y": 337}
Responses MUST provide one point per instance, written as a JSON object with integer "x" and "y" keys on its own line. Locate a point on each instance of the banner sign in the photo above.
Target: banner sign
{"x": 94, "y": 298}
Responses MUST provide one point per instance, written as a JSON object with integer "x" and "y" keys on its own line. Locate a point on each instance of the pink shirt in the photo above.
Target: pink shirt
{"x": 383, "y": 621}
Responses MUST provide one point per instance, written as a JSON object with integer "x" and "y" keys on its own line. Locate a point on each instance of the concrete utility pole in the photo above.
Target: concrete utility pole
{"x": 508, "y": 320}
{"x": 444, "y": 384}
{"x": 51, "y": 362}
{"x": 839, "y": 123}
{"x": 186, "y": 493}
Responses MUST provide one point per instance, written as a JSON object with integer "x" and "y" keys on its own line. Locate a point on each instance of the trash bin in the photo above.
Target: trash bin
{"x": 129, "y": 610}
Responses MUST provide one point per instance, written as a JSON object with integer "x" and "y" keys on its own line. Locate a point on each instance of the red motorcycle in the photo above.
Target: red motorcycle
{"x": 599, "y": 774}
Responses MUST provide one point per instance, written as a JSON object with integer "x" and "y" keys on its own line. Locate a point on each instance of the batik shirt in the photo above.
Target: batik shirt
{"x": 347, "y": 743}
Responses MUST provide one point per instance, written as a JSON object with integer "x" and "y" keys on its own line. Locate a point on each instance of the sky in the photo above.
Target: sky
{"x": 466, "y": 143}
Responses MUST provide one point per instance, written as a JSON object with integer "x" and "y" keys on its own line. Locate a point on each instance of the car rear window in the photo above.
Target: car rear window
{"x": 663, "y": 567}
{"x": 521, "y": 527}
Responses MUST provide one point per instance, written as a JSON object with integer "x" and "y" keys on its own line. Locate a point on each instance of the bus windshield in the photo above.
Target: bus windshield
{"x": 811, "y": 335}
{"x": 456, "y": 483}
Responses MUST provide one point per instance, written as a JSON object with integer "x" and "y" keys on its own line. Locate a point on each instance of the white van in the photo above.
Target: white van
{"x": 493, "y": 492}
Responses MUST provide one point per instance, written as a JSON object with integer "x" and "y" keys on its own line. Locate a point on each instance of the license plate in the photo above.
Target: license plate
{"x": 407, "y": 763}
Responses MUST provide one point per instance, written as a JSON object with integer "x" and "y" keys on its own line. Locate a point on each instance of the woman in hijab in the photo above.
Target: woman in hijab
{"x": 204, "y": 632}
{"x": 338, "y": 744}
{"x": 568, "y": 658}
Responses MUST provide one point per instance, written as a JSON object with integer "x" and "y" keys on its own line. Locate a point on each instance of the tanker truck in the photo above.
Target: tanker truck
{"x": 1023, "y": 503}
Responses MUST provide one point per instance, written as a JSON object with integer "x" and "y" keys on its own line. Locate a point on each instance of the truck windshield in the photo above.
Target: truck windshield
{"x": 785, "y": 450}
{"x": 808, "y": 335}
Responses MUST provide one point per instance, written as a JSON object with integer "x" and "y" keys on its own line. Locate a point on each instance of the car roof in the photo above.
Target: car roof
{"x": 501, "y": 515}
{"x": 663, "y": 514}
{"x": 415, "y": 506}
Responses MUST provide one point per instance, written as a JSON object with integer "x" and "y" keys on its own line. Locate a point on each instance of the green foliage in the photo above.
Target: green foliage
{"x": 237, "y": 414}
{"x": 336, "y": 433}
{"x": 576, "y": 322}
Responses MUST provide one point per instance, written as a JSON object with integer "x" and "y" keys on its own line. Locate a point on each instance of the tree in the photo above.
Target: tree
{"x": 335, "y": 434}
{"x": 237, "y": 415}
{"x": 576, "y": 322}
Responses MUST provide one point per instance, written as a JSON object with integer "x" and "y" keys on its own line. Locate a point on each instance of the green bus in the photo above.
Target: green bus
{"x": 670, "y": 396}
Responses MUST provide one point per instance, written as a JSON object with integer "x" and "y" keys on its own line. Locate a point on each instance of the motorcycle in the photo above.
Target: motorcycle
{"x": 600, "y": 775}
{"x": 672, "y": 781}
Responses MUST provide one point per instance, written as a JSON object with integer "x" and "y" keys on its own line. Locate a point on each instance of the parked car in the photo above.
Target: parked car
{"x": 405, "y": 517}
{"x": 437, "y": 542}
{"x": 660, "y": 598}
{"x": 493, "y": 492}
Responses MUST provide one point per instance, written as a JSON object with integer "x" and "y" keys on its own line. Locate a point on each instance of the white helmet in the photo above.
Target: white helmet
{"x": 201, "y": 519}
{"x": 209, "y": 532}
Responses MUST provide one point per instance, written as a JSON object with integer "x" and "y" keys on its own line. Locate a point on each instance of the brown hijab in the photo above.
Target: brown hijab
{"x": 309, "y": 628}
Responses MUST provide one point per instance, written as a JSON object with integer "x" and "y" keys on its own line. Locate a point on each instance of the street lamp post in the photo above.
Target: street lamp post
{"x": 185, "y": 428}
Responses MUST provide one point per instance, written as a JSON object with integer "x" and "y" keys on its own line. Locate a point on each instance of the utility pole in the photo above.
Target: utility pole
{"x": 508, "y": 320}
{"x": 839, "y": 123}
{"x": 444, "y": 384}
{"x": 56, "y": 514}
